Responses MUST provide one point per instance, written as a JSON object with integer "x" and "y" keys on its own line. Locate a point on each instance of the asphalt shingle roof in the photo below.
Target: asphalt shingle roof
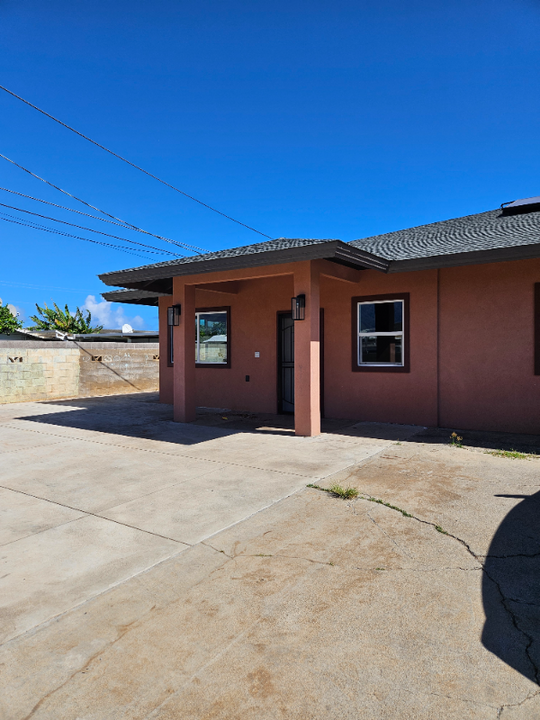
{"x": 485, "y": 237}
{"x": 266, "y": 246}
{"x": 486, "y": 231}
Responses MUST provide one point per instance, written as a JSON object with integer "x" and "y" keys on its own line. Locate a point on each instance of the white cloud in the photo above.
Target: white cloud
{"x": 109, "y": 315}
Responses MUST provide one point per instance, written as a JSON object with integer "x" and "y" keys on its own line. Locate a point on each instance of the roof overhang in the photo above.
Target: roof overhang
{"x": 476, "y": 257}
{"x": 134, "y": 297}
{"x": 157, "y": 279}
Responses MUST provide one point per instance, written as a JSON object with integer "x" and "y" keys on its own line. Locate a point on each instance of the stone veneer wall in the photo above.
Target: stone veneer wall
{"x": 33, "y": 370}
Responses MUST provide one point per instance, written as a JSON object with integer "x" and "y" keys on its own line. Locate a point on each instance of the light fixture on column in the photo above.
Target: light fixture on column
{"x": 298, "y": 307}
{"x": 173, "y": 315}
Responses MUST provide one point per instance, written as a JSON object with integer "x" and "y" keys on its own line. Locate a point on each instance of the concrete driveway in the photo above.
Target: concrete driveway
{"x": 157, "y": 570}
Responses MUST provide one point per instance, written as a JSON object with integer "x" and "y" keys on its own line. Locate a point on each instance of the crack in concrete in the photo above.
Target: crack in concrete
{"x": 449, "y": 697}
{"x": 530, "y": 697}
{"x": 231, "y": 557}
{"x": 503, "y": 599}
{"x": 388, "y": 536}
{"x": 508, "y": 557}
{"x": 91, "y": 659}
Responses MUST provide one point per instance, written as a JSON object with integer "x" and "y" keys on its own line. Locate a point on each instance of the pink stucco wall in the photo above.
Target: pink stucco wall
{"x": 166, "y": 378}
{"x": 253, "y": 329}
{"x": 487, "y": 376}
{"x": 471, "y": 348}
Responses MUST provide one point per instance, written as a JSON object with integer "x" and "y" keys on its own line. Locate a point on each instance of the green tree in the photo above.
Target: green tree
{"x": 65, "y": 321}
{"x": 8, "y": 322}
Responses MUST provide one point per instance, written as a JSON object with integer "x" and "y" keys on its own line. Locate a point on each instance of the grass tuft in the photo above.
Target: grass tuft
{"x": 388, "y": 505}
{"x": 438, "y": 528}
{"x": 337, "y": 491}
{"x": 345, "y": 493}
{"x": 511, "y": 454}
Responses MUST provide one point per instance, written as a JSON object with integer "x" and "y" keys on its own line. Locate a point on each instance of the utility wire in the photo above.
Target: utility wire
{"x": 95, "y": 217}
{"x": 35, "y": 226}
{"x": 93, "y": 207}
{"x": 38, "y": 226}
{"x": 137, "y": 167}
{"x": 82, "y": 227}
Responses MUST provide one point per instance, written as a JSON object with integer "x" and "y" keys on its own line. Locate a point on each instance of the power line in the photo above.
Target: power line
{"x": 137, "y": 167}
{"x": 93, "y": 207}
{"x": 38, "y": 287}
{"x": 121, "y": 224}
{"x": 82, "y": 227}
{"x": 35, "y": 226}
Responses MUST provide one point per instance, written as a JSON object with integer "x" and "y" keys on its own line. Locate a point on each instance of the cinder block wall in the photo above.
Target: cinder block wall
{"x": 52, "y": 370}
{"x": 110, "y": 368}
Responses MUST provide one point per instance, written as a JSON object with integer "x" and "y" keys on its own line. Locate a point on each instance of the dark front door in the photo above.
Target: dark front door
{"x": 285, "y": 363}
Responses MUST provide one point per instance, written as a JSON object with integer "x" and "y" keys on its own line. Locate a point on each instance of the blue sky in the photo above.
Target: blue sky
{"x": 301, "y": 119}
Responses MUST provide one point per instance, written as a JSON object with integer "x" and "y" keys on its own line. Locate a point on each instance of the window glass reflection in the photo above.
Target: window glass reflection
{"x": 211, "y": 335}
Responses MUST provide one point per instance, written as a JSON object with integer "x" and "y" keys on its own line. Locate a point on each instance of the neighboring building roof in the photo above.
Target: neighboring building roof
{"x": 103, "y": 336}
{"x": 216, "y": 339}
{"x": 491, "y": 236}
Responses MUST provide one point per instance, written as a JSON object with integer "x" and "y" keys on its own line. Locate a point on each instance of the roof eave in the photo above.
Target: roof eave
{"x": 476, "y": 257}
{"x": 334, "y": 250}
{"x": 134, "y": 297}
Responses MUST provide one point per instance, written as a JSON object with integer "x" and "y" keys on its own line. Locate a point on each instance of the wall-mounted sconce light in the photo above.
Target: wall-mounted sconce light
{"x": 298, "y": 307}
{"x": 173, "y": 315}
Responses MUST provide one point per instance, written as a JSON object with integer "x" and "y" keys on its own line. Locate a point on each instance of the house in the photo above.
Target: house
{"x": 437, "y": 325}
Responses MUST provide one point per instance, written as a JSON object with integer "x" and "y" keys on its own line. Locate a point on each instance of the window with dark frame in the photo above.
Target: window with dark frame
{"x": 212, "y": 341}
{"x": 380, "y": 333}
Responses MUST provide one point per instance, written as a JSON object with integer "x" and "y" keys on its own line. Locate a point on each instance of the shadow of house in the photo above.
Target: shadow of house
{"x": 511, "y": 589}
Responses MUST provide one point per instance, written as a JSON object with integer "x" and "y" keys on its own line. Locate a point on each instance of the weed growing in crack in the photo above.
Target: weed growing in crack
{"x": 388, "y": 505}
{"x": 337, "y": 491}
{"x": 511, "y": 454}
{"x": 345, "y": 493}
{"x": 438, "y": 528}
{"x": 380, "y": 568}
{"x": 456, "y": 440}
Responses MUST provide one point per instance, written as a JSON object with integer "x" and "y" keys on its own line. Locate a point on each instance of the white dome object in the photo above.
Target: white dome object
{"x": 126, "y": 328}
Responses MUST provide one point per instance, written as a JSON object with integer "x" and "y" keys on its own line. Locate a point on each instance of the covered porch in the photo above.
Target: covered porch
{"x": 273, "y": 360}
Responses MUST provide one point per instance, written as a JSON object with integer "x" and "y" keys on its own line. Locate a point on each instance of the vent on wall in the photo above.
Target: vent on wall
{"x": 521, "y": 206}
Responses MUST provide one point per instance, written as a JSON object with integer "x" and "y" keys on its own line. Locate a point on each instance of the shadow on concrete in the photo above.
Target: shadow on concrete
{"x": 142, "y": 415}
{"x": 482, "y": 439}
{"x": 511, "y": 589}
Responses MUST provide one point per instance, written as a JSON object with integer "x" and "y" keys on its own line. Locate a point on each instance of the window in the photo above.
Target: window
{"x": 380, "y": 333}
{"x": 212, "y": 337}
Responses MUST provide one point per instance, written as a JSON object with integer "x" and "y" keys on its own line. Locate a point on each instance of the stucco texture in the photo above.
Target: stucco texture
{"x": 471, "y": 347}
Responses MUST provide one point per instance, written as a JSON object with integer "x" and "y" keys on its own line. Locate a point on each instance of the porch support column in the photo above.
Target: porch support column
{"x": 307, "y": 387}
{"x": 184, "y": 353}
